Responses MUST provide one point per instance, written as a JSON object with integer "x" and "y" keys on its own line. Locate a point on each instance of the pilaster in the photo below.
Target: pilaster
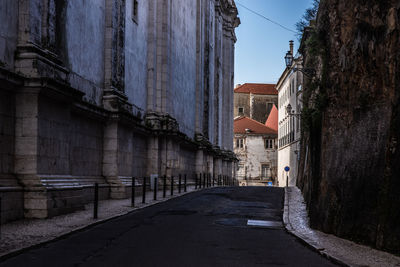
{"x": 110, "y": 160}
{"x": 26, "y": 152}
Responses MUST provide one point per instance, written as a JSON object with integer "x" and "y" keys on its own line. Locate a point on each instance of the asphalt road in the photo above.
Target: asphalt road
{"x": 204, "y": 228}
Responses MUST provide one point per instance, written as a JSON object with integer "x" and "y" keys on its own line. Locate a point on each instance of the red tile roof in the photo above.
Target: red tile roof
{"x": 257, "y": 88}
{"x": 240, "y": 125}
{"x": 272, "y": 121}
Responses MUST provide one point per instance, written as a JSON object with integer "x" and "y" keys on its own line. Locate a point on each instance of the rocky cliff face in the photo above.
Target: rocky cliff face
{"x": 350, "y": 163}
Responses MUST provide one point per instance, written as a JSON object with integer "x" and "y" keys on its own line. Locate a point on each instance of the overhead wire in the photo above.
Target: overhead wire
{"x": 264, "y": 17}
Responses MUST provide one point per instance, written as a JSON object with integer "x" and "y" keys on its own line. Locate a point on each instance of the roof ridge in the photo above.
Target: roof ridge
{"x": 260, "y": 123}
{"x": 245, "y": 117}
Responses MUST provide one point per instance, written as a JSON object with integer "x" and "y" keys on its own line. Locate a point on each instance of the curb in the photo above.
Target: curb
{"x": 16, "y": 252}
{"x": 304, "y": 239}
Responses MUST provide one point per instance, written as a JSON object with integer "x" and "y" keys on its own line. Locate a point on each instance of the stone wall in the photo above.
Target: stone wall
{"x": 7, "y": 133}
{"x": 261, "y": 106}
{"x": 256, "y": 107}
{"x": 8, "y": 32}
{"x": 349, "y": 171}
{"x": 83, "y": 45}
{"x": 136, "y": 54}
{"x": 242, "y": 100}
{"x": 95, "y": 92}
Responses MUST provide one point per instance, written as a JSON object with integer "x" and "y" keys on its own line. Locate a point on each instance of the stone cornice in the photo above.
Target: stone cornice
{"x": 9, "y": 80}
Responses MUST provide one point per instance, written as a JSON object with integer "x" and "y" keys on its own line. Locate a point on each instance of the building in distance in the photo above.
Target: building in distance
{"x": 255, "y": 100}
{"x": 255, "y": 144}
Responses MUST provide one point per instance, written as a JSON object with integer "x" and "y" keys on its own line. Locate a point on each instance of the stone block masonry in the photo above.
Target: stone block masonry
{"x": 94, "y": 92}
{"x": 350, "y": 156}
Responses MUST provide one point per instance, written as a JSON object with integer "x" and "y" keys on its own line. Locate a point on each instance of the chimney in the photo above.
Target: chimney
{"x": 291, "y": 47}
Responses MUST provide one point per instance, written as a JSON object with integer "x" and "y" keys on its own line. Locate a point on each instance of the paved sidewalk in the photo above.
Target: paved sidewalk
{"x": 25, "y": 233}
{"x": 342, "y": 251}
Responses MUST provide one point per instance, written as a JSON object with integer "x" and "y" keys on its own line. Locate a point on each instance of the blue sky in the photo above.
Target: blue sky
{"x": 262, "y": 45}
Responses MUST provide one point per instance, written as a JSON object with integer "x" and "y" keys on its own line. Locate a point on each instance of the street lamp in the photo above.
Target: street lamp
{"x": 306, "y": 71}
{"x": 290, "y": 112}
{"x": 289, "y": 59}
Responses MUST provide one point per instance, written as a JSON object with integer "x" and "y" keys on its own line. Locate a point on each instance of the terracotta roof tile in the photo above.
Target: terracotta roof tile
{"x": 272, "y": 121}
{"x": 257, "y": 88}
{"x": 240, "y": 125}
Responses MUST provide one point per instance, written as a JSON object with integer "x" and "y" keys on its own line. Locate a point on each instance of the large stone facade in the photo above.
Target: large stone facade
{"x": 100, "y": 91}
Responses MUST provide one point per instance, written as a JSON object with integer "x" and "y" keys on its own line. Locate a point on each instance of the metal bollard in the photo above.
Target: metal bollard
{"x": 164, "y": 186}
{"x": 155, "y": 188}
{"x": 200, "y": 180}
{"x": 144, "y": 190}
{"x": 133, "y": 192}
{"x": 172, "y": 185}
{"x": 96, "y": 200}
{"x": 195, "y": 181}
{"x": 0, "y": 217}
{"x": 179, "y": 184}
{"x": 204, "y": 180}
{"x": 184, "y": 183}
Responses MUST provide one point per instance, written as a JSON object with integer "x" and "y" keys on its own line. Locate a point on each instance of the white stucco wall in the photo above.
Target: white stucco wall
{"x": 253, "y": 155}
{"x": 288, "y": 157}
{"x": 288, "y": 153}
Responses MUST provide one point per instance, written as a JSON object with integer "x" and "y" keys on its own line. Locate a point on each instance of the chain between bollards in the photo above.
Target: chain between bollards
{"x": 96, "y": 200}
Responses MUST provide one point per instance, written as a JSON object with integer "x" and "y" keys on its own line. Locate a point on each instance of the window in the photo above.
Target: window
{"x": 269, "y": 143}
{"x": 239, "y": 143}
{"x": 135, "y": 10}
{"x": 240, "y": 110}
{"x": 293, "y": 86}
{"x": 265, "y": 171}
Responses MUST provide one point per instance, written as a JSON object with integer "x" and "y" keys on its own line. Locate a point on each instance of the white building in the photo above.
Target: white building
{"x": 289, "y": 89}
{"x": 255, "y": 144}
